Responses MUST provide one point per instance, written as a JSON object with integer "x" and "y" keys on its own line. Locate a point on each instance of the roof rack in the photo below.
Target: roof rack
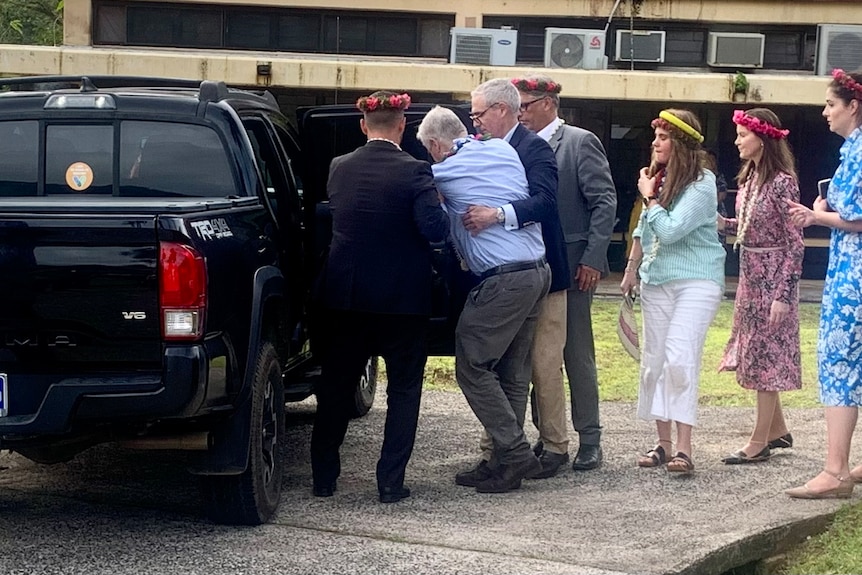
{"x": 38, "y": 83}
{"x": 208, "y": 90}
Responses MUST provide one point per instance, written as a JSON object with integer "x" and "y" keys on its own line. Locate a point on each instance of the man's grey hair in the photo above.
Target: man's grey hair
{"x": 440, "y": 124}
{"x": 502, "y": 91}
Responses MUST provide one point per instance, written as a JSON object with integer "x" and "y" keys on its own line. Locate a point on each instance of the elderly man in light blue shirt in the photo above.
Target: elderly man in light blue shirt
{"x": 494, "y": 336}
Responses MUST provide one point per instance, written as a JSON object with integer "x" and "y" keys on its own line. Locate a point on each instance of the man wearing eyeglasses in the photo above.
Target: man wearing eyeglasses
{"x": 495, "y": 106}
{"x": 587, "y": 203}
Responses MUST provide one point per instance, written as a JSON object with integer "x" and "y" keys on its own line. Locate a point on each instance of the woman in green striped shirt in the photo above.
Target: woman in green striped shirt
{"x": 679, "y": 260}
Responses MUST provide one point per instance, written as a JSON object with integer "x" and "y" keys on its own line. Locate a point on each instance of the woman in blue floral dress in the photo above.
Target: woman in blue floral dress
{"x": 839, "y": 344}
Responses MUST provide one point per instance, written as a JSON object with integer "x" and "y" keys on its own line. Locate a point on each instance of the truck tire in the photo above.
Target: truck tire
{"x": 366, "y": 389}
{"x": 252, "y": 497}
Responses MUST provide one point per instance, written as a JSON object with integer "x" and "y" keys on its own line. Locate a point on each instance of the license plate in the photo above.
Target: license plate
{"x": 4, "y": 396}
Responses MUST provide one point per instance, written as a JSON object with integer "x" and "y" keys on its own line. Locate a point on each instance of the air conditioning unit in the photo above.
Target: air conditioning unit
{"x": 735, "y": 50}
{"x": 838, "y": 46}
{"x": 640, "y": 46}
{"x": 483, "y": 46}
{"x": 575, "y": 48}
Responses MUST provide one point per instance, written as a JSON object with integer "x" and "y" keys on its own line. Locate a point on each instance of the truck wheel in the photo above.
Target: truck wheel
{"x": 252, "y": 497}
{"x": 366, "y": 389}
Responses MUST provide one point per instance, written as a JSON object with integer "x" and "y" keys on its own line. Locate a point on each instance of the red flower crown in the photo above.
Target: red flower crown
{"x": 394, "y": 102}
{"x": 532, "y": 85}
{"x": 758, "y": 126}
{"x": 848, "y": 82}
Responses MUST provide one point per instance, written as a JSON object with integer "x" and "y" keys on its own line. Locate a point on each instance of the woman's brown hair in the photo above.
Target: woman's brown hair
{"x": 686, "y": 163}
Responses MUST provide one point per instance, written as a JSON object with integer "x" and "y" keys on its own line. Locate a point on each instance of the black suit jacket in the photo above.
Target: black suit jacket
{"x": 540, "y": 164}
{"x": 385, "y": 211}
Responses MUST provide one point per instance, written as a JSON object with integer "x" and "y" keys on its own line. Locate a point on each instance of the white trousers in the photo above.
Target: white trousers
{"x": 676, "y": 316}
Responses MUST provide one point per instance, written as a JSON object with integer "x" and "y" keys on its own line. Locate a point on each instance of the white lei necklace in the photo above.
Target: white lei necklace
{"x": 385, "y": 140}
{"x": 560, "y": 123}
{"x": 746, "y": 211}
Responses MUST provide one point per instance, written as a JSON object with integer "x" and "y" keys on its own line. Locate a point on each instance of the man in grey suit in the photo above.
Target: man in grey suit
{"x": 587, "y": 202}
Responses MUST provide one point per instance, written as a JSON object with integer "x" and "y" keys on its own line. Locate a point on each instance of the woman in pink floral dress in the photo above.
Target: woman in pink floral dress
{"x": 764, "y": 341}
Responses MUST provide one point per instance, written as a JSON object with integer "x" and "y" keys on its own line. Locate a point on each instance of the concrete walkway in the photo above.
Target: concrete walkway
{"x": 120, "y": 512}
{"x": 613, "y": 520}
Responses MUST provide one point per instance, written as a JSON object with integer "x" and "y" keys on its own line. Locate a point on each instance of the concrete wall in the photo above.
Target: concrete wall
{"x": 239, "y": 68}
{"x": 365, "y": 73}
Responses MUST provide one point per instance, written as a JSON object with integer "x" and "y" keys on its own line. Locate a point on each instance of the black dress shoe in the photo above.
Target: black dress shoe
{"x": 538, "y": 448}
{"x": 588, "y": 457}
{"x": 782, "y": 442}
{"x": 508, "y": 477}
{"x": 472, "y": 477}
{"x": 739, "y": 457}
{"x": 327, "y": 490}
{"x": 551, "y": 463}
{"x": 394, "y": 494}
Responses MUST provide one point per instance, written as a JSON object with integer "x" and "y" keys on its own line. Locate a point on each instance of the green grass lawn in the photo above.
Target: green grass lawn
{"x": 618, "y": 373}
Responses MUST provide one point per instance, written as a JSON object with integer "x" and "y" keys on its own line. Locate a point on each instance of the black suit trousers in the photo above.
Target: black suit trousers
{"x": 349, "y": 338}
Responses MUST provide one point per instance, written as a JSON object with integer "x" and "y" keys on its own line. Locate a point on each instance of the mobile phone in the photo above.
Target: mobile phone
{"x": 823, "y": 187}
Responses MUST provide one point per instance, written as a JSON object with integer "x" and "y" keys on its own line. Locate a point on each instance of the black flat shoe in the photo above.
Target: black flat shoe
{"x": 782, "y": 442}
{"x": 740, "y": 457}
{"x": 394, "y": 494}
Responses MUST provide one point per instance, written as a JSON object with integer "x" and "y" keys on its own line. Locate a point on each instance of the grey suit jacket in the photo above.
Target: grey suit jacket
{"x": 586, "y": 197}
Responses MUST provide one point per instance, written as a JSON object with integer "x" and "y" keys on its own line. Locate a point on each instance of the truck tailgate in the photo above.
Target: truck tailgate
{"x": 77, "y": 293}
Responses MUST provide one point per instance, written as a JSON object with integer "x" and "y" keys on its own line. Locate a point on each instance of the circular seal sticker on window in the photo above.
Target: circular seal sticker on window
{"x": 79, "y": 176}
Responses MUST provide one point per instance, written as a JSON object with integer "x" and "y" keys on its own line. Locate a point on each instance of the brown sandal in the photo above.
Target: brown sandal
{"x": 655, "y": 457}
{"x": 681, "y": 463}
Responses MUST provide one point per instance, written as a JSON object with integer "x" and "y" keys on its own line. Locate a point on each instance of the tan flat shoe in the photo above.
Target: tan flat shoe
{"x": 843, "y": 491}
{"x": 856, "y": 474}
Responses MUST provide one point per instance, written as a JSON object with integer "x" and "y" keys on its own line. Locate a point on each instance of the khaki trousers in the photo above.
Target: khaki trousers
{"x": 547, "y": 365}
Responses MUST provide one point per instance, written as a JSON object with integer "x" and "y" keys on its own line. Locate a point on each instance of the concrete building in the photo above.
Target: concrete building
{"x": 619, "y": 61}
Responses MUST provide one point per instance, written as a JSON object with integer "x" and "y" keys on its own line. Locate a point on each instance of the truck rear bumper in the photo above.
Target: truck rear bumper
{"x": 178, "y": 391}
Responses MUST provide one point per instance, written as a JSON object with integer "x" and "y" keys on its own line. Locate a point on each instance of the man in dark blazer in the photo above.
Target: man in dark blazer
{"x": 495, "y": 108}
{"x": 375, "y": 291}
{"x": 587, "y": 203}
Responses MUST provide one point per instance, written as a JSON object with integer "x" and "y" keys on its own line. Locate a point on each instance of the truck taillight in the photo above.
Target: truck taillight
{"x": 182, "y": 291}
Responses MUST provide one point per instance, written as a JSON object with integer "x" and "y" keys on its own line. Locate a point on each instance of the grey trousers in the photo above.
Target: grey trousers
{"x": 579, "y": 356}
{"x": 493, "y": 340}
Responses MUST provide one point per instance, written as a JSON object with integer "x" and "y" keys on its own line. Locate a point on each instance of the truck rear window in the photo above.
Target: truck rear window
{"x": 129, "y": 159}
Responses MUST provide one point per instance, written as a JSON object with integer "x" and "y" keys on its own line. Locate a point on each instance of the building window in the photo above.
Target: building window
{"x": 685, "y": 47}
{"x": 299, "y": 32}
{"x": 110, "y": 25}
{"x": 176, "y": 27}
{"x": 248, "y": 30}
{"x": 326, "y": 31}
{"x": 783, "y": 51}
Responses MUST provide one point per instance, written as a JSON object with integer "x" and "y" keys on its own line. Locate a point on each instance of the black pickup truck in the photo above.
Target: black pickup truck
{"x": 158, "y": 243}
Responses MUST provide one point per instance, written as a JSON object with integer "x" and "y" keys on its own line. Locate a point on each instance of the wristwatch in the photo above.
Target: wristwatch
{"x": 501, "y": 216}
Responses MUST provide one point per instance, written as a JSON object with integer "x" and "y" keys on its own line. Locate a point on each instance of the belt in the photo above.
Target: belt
{"x": 515, "y": 267}
{"x": 763, "y": 250}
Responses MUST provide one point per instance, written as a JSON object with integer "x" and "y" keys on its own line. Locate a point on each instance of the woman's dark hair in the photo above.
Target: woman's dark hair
{"x": 845, "y": 92}
{"x": 777, "y": 156}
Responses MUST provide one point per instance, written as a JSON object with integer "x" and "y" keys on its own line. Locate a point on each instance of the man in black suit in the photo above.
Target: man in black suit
{"x": 495, "y": 107}
{"x": 375, "y": 291}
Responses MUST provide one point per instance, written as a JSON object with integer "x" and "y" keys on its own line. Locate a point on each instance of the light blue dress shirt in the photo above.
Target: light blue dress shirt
{"x": 487, "y": 173}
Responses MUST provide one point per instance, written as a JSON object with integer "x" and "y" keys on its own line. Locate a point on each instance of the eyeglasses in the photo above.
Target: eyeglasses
{"x": 477, "y": 116}
{"x": 525, "y": 105}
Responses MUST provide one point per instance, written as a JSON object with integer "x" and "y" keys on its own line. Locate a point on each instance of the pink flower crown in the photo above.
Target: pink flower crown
{"x": 758, "y": 126}
{"x": 848, "y": 82}
{"x": 373, "y": 103}
{"x": 531, "y": 85}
